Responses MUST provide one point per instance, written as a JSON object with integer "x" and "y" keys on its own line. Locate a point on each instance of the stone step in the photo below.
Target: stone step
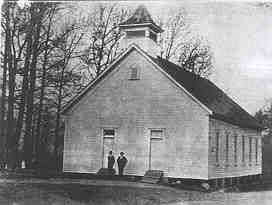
{"x": 150, "y": 181}
{"x": 154, "y": 172}
{"x": 152, "y": 176}
{"x": 106, "y": 172}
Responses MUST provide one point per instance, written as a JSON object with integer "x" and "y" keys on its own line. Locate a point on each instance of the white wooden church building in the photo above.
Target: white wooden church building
{"x": 161, "y": 116}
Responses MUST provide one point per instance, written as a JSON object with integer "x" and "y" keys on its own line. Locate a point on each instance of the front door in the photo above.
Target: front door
{"x": 156, "y": 159}
{"x": 108, "y": 145}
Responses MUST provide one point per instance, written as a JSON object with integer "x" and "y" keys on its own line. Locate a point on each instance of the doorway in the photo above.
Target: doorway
{"x": 156, "y": 153}
{"x": 108, "y": 144}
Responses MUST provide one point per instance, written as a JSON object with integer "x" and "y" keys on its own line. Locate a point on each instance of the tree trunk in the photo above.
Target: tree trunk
{"x": 28, "y": 148}
{"x": 3, "y": 109}
{"x": 11, "y": 143}
{"x": 21, "y": 112}
{"x": 57, "y": 139}
{"x": 40, "y": 109}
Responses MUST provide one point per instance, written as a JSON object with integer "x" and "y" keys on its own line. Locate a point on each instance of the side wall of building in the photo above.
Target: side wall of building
{"x": 231, "y": 161}
{"x": 132, "y": 108}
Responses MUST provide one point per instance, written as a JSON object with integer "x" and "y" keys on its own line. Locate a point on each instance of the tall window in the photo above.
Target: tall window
{"x": 217, "y": 147}
{"x": 250, "y": 150}
{"x": 243, "y": 148}
{"x": 227, "y": 148}
{"x": 235, "y": 149}
{"x": 256, "y": 150}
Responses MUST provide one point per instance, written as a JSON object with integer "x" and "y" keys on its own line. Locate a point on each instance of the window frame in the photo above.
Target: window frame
{"x": 250, "y": 150}
{"x": 162, "y": 130}
{"x": 256, "y": 150}
{"x": 243, "y": 149}
{"x": 108, "y": 136}
{"x": 235, "y": 139}
{"x": 217, "y": 144}
{"x": 227, "y": 149}
{"x": 131, "y": 72}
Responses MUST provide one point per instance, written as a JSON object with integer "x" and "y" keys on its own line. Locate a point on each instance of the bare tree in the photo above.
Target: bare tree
{"x": 64, "y": 77}
{"x": 264, "y": 117}
{"x": 175, "y": 30}
{"x": 12, "y": 53}
{"x": 196, "y": 57}
{"x": 36, "y": 53}
{"x": 37, "y": 11}
{"x": 5, "y": 28}
{"x": 179, "y": 45}
{"x": 103, "y": 39}
{"x": 47, "y": 48}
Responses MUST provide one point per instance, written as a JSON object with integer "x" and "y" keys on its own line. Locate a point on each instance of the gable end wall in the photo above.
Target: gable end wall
{"x": 132, "y": 107}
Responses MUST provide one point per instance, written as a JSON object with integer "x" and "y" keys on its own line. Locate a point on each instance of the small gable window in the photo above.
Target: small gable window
{"x": 134, "y": 73}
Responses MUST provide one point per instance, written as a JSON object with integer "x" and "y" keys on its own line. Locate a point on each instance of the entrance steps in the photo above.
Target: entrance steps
{"x": 152, "y": 176}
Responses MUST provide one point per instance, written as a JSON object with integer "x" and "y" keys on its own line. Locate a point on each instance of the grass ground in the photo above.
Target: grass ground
{"x": 74, "y": 194}
{"x": 42, "y": 193}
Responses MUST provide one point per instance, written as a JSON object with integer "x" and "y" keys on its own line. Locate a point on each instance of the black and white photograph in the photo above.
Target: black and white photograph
{"x": 136, "y": 102}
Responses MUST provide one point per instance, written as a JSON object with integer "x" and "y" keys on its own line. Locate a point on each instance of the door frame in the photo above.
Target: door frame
{"x": 150, "y": 139}
{"x": 102, "y": 140}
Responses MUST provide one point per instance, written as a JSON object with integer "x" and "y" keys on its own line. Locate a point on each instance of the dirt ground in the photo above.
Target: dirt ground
{"x": 106, "y": 192}
{"x": 74, "y": 194}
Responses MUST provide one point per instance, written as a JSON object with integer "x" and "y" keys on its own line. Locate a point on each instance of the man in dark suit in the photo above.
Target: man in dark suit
{"x": 111, "y": 160}
{"x": 121, "y": 161}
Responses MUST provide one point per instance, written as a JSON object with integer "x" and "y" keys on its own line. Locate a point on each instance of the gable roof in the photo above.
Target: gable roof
{"x": 203, "y": 91}
{"x": 133, "y": 46}
{"x": 140, "y": 17}
{"x": 222, "y": 106}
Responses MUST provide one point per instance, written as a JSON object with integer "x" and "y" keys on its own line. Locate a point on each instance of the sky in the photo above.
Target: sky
{"x": 240, "y": 36}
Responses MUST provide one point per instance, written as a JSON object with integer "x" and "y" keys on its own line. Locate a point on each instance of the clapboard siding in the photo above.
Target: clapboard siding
{"x": 132, "y": 107}
{"x": 231, "y": 169}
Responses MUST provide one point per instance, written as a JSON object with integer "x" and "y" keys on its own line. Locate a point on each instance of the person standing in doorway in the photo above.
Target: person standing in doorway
{"x": 121, "y": 161}
{"x": 111, "y": 160}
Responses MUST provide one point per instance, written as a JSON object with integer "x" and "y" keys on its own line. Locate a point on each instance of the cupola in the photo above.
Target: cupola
{"x": 141, "y": 30}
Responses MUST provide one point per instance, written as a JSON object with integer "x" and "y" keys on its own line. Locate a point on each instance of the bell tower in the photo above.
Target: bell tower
{"x": 141, "y": 30}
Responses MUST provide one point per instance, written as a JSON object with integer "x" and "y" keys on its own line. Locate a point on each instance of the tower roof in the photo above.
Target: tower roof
{"x": 141, "y": 17}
